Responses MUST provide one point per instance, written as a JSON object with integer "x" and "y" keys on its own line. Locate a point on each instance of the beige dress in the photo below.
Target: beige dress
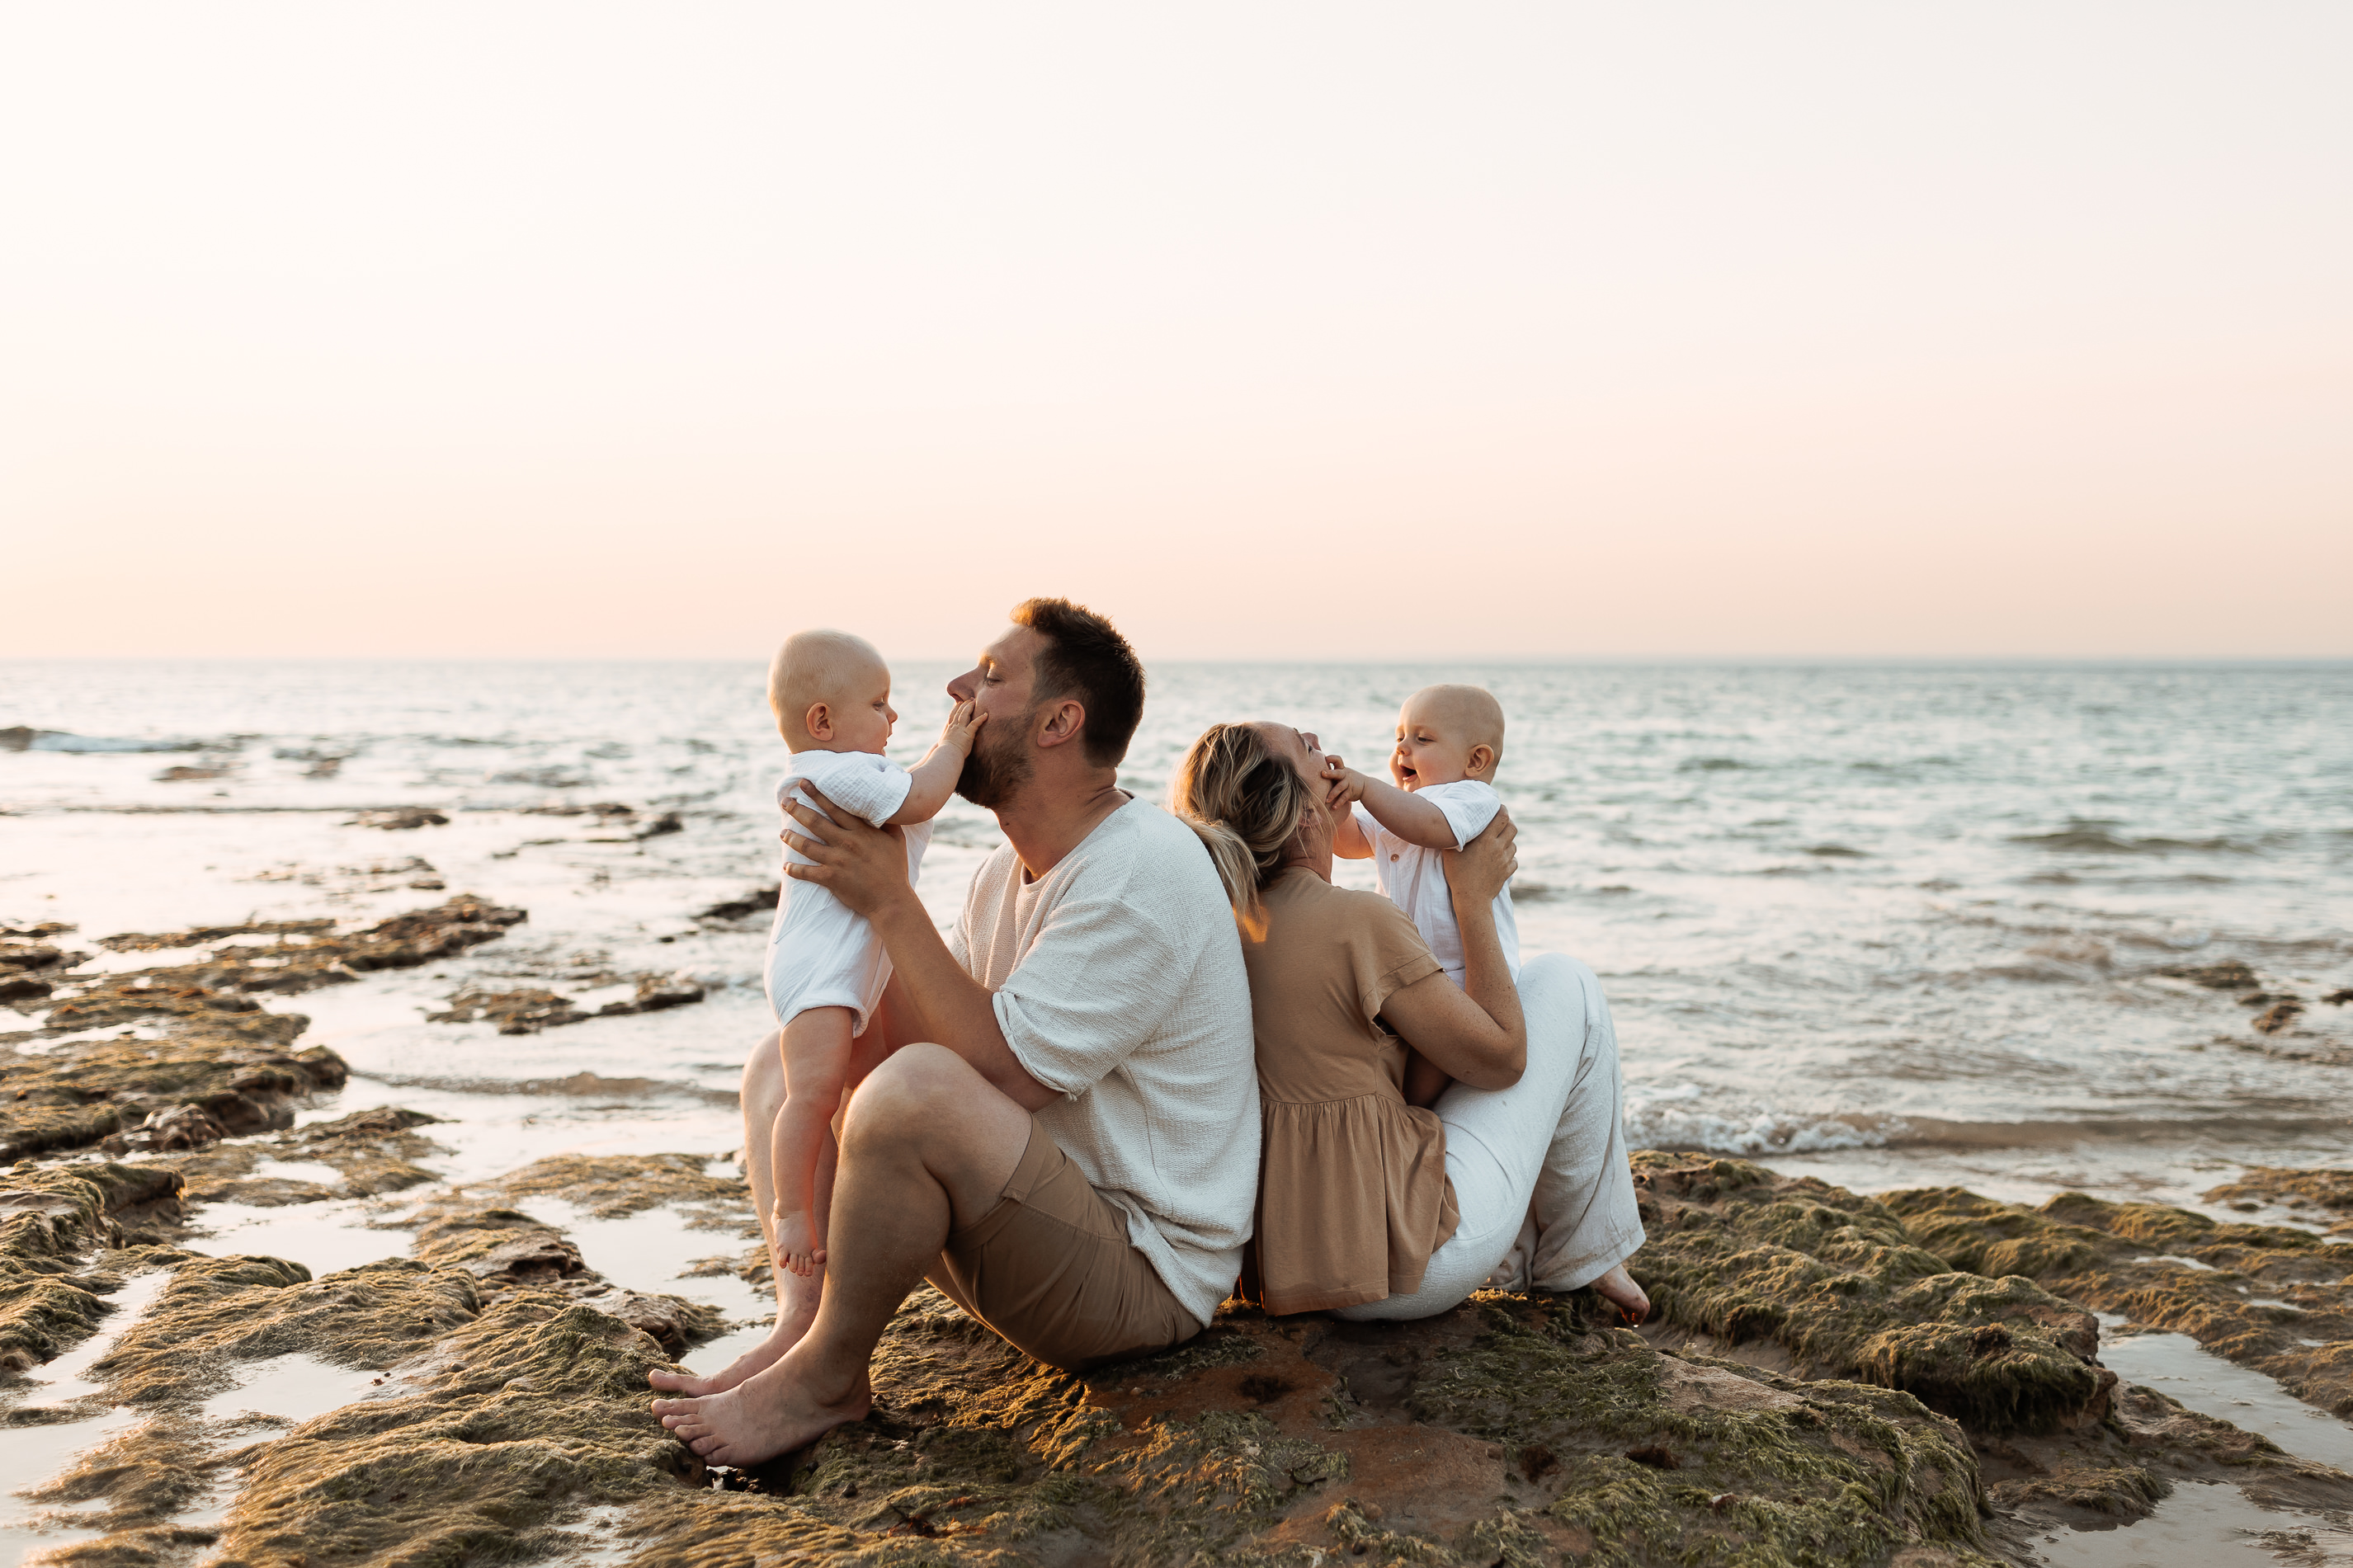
{"x": 1353, "y": 1191}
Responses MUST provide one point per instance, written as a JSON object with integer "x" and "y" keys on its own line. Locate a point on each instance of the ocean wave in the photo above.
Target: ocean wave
{"x": 1666, "y": 1120}
{"x": 2092, "y": 838}
{"x": 23, "y": 739}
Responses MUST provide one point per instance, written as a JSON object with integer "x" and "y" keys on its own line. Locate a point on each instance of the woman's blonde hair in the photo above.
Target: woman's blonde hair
{"x": 1248, "y": 805}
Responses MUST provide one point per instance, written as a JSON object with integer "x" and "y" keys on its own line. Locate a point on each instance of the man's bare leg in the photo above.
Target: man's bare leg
{"x": 796, "y": 1295}
{"x": 927, "y": 1145}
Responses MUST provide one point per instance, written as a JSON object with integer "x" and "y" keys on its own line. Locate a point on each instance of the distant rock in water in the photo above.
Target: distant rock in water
{"x": 399, "y": 819}
{"x": 2230, "y": 975}
{"x": 750, "y": 904}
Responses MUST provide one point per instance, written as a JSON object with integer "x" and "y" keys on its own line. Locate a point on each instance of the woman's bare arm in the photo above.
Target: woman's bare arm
{"x": 1476, "y": 1034}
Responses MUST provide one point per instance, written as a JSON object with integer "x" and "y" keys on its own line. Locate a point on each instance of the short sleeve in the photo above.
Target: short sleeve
{"x": 1094, "y": 986}
{"x": 1468, "y": 806}
{"x": 1368, "y": 822}
{"x": 1388, "y": 954}
{"x": 859, "y": 781}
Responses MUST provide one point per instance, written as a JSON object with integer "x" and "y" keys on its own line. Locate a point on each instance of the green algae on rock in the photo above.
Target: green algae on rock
{"x": 223, "y": 1066}
{"x": 1498, "y": 1432}
{"x": 375, "y": 1151}
{"x": 306, "y": 955}
{"x": 52, "y": 1222}
{"x": 1841, "y": 1289}
{"x": 177, "y": 1092}
{"x": 613, "y": 1186}
{"x": 2267, "y": 1297}
{"x": 2321, "y": 1188}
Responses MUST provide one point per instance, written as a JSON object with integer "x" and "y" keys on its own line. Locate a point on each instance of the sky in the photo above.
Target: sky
{"x": 1299, "y": 331}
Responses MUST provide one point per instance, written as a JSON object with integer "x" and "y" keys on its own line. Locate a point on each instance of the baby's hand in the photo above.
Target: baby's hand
{"x": 1344, "y": 786}
{"x": 963, "y": 724}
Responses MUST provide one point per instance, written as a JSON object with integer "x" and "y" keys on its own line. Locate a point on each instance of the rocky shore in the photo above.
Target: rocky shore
{"x": 1914, "y": 1379}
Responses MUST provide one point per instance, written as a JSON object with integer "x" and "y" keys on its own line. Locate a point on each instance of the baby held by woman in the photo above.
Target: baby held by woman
{"x": 1450, "y": 740}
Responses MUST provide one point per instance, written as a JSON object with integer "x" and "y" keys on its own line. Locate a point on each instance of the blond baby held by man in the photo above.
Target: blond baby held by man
{"x": 830, "y": 692}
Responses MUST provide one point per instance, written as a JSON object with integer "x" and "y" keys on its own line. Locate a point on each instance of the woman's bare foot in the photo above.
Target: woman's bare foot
{"x": 794, "y": 1316}
{"x": 1619, "y": 1287}
{"x": 771, "y": 1413}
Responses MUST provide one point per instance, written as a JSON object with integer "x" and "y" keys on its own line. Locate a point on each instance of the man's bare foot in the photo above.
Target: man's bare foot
{"x": 1619, "y": 1287}
{"x": 796, "y": 1250}
{"x": 769, "y": 1413}
{"x": 799, "y": 1309}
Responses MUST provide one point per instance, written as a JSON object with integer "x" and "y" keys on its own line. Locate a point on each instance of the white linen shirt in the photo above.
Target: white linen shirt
{"x": 1119, "y": 984}
{"x": 1413, "y": 877}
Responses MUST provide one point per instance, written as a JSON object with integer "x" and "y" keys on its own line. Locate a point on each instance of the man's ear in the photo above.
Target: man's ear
{"x": 1481, "y": 759}
{"x": 1065, "y": 723}
{"x": 818, "y": 721}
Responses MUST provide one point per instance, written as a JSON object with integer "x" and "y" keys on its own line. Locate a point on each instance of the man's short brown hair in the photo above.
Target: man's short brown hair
{"x": 1087, "y": 659}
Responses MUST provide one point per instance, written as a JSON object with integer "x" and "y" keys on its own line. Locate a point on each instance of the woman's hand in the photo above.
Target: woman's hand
{"x": 863, "y": 865}
{"x": 1483, "y": 868}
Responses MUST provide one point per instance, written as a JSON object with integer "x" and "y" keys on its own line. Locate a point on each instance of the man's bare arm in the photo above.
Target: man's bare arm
{"x": 866, "y": 868}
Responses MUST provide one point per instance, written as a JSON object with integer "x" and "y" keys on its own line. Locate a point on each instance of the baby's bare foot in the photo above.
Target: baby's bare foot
{"x": 796, "y": 1250}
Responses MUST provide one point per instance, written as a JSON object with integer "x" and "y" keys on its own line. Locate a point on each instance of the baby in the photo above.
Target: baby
{"x": 831, "y": 694}
{"x": 1449, "y": 742}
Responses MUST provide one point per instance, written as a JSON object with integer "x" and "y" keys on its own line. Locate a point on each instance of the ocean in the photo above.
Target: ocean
{"x": 1893, "y": 924}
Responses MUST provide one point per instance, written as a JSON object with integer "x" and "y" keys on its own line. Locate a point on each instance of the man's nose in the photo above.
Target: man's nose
{"x": 965, "y": 685}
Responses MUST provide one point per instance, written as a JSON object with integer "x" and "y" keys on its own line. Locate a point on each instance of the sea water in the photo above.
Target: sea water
{"x": 1895, "y": 924}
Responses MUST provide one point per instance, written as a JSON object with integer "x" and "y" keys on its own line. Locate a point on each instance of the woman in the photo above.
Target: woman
{"x": 1370, "y": 1207}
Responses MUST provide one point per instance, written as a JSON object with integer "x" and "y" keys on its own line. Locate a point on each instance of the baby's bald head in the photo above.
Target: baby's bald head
{"x": 1460, "y": 720}
{"x": 815, "y": 666}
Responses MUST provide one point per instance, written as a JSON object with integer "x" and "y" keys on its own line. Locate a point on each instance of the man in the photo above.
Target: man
{"x": 1070, "y": 1151}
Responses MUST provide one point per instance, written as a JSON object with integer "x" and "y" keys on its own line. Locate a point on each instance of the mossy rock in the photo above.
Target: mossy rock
{"x": 1843, "y": 1289}
{"x": 51, "y": 1221}
{"x": 2254, "y": 1293}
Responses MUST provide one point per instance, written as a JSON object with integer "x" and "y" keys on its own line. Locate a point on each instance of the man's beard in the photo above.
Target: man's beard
{"x": 995, "y": 771}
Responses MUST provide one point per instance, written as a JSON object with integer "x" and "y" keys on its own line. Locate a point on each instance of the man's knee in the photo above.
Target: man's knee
{"x": 764, "y": 1072}
{"x": 915, "y": 1086}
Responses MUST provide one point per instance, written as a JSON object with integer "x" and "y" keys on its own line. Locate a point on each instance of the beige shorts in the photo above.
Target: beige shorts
{"x": 1049, "y": 1268}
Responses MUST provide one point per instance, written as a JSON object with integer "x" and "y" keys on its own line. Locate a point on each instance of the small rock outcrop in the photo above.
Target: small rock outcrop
{"x": 1838, "y": 1287}
{"x": 2267, "y": 1297}
{"x": 181, "y": 1056}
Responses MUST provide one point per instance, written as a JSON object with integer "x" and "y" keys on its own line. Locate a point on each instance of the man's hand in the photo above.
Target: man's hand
{"x": 863, "y": 866}
{"x": 965, "y": 720}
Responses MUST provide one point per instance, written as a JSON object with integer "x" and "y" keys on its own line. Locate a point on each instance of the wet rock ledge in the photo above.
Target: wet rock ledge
{"x": 185, "y": 1054}
{"x": 1823, "y": 1385}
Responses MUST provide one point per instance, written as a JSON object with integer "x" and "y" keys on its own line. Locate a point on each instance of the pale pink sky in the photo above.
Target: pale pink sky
{"x": 1307, "y": 331}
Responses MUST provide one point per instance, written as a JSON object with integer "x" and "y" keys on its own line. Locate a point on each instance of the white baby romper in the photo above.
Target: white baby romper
{"x": 1414, "y": 877}
{"x": 820, "y": 955}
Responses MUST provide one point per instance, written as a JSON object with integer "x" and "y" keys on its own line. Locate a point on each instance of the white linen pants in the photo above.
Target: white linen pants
{"x": 1539, "y": 1169}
